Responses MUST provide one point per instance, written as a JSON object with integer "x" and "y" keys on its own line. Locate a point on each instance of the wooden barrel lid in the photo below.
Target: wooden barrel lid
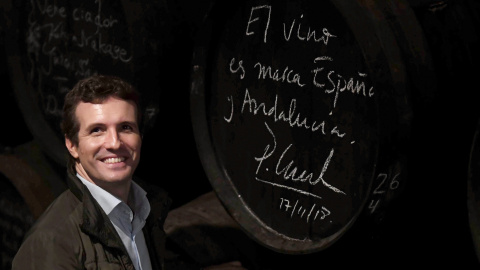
{"x": 299, "y": 109}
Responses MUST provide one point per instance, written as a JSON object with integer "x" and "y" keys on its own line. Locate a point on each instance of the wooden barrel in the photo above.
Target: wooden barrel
{"x": 51, "y": 45}
{"x": 29, "y": 182}
{"x": 15, "y": 220}
{"x": 473, "y": 191}
{"x": 302, "y": 113}
{"x": 448, "y": 152}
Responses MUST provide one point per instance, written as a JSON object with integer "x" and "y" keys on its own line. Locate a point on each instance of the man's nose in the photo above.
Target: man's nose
{"x": 112, "y": 141}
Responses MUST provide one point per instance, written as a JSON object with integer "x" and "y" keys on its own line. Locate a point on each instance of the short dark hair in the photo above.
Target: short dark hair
{"x": 94, "y": 89}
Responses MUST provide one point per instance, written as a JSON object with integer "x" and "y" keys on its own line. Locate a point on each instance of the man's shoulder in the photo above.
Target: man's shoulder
{"x": 64, "y": 212}
{"x": 54, "y": 236}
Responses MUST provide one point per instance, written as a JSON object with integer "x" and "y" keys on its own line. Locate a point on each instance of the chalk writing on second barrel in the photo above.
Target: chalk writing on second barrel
{"x": 63, "y": 44}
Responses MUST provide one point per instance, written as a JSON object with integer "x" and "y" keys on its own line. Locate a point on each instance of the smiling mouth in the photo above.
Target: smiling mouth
{"x": 114, "y": 160}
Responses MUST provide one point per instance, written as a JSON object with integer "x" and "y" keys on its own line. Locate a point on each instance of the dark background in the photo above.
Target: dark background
{"x": 426, "y": 225}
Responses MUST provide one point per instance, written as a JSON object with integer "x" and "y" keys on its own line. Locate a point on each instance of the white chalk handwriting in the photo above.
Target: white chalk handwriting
{"x": 54, "y": 50}
{"x": 385, "y": 183}
{"x": 269, "y": 85}
{"x": 262, "y": 15}
{"x": 310, "y": 214}
{"x": 290, "y": 171}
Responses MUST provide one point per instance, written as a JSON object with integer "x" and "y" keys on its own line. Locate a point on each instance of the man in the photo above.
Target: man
{"x": 105, "y": 220}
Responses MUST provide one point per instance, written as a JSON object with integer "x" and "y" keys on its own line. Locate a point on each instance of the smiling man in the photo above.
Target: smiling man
{"x": 108, "y": 146}
{"x": 105, "y": 220}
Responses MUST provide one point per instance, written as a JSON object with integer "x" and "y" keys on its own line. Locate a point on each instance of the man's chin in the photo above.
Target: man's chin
{"x": 115, "y": 178}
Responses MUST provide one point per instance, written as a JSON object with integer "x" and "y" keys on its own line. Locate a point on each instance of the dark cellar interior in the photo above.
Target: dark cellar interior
{"x": 426, "y": 224}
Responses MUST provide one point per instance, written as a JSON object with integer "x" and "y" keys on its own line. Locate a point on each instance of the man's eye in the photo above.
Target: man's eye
{"x": 95, "y": 130}
{"x": 127, "y": 127}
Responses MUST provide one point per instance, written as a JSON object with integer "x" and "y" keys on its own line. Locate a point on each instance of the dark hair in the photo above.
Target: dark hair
{"x": 94, "y": 89}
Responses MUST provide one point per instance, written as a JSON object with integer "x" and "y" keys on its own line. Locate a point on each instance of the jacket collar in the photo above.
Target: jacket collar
{"x": 154, "y": 233}
{"x": 94, "y": 221}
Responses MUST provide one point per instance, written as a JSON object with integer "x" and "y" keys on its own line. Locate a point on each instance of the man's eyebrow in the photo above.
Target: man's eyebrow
{"x": 95, "y": 124}
{"x": 100, "y": 124}
{"x": 134, "y": 123}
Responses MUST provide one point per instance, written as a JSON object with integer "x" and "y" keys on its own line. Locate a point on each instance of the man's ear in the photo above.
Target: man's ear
{"x": 71, "y": 147}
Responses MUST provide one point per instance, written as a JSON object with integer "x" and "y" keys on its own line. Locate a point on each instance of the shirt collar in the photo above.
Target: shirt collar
{"x": 108, "y": 202}
{"x": 105, "y": 199}
{"x": 140, "y": 203}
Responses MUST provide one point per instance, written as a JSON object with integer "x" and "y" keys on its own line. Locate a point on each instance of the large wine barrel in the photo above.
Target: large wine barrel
{"x": 302, "y": 113}
{"x": 447, "y": 130}
{"x": 51, "y": 45}
{"x": 29, "y": 182}
{"x": 15, "y": 220}
{"x": 473, "y": 191}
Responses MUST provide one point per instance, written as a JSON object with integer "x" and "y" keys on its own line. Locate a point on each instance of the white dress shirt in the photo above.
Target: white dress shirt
{"x": 128, "y": 225}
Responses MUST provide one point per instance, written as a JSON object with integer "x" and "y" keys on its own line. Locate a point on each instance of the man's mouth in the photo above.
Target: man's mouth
{"x": 114, "y": 160}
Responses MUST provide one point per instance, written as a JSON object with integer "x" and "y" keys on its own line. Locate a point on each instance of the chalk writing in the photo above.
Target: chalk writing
{"x": 80, "y": 14}
{"x": 251, "y": 20}
{"x": 290, "y": 173}
{"x": 385, "y": 184}
{"x": 308, "y": 142}
{"x": 288, "y": 188}
{"x": 266, "y": 10}
{"x": 49, "y": 10}
{"x": 286, "y": 75}
{"x": 309, "y": 35}
{"x": 63, "y": 42}
{"x": 239, "y": 68}
{"x": 292, "y": 118}
{"x": 310, "y": 214}
{"x": 339, "y": 84}
{"x": 62, "y": 88}
{"x": 96, "y": 43}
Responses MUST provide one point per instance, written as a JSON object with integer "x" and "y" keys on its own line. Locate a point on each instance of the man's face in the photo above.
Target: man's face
{"x": 109, "y": 142}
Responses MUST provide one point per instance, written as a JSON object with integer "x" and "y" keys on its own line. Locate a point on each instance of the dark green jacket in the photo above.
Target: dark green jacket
{"x": 75, "y": 233}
